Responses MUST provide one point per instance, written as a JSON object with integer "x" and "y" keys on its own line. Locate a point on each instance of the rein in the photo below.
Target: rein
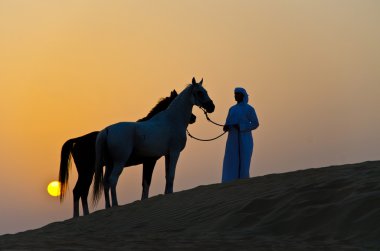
{"x": 208, "y": 118}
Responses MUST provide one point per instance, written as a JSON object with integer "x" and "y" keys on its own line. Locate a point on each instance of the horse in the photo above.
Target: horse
{"x": 82, "y": 151}
{"x": 163, "y": 135}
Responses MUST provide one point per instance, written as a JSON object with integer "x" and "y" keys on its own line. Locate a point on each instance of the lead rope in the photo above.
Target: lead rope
{"x": 207, "y": 117}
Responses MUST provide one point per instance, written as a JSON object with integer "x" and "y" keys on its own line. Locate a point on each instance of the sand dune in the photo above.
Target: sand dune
{"x": 331, "y": 208}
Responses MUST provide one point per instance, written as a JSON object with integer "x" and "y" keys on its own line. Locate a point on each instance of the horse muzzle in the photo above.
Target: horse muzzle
{"x": 209, "y": 106}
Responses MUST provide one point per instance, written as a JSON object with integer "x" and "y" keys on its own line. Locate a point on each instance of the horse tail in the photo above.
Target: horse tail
{"x": 65, "y": 166}
{"x": 100, "y": 150}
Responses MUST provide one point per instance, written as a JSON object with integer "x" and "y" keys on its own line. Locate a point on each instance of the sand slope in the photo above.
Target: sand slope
{"x": 331, "y": 208}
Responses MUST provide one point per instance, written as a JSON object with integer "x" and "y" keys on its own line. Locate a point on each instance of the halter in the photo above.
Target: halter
{"x": 208, "y": 119}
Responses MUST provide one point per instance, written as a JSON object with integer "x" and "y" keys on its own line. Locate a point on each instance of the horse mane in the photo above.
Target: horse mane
{"x": 162, "y": 104}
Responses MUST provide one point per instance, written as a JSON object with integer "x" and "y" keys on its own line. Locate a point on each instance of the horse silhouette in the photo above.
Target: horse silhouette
{"x": 82, "y": 151}
{"x": 162, "y": 135}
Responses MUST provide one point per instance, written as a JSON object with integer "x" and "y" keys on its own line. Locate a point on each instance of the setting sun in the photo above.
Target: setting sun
{"x": 54, "y": 188}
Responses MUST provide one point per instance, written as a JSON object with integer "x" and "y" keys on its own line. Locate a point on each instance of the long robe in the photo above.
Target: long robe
{"x": 239, "y": 145}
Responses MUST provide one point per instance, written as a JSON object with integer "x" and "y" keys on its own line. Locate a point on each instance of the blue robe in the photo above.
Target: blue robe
{"x": 239, "y": 145}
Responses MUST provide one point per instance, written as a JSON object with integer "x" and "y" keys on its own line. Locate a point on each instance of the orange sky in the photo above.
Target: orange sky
{"x": 71, "y": 67}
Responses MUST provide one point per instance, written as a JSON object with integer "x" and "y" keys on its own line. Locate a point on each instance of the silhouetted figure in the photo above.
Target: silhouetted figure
{"x": 241, "y": 120}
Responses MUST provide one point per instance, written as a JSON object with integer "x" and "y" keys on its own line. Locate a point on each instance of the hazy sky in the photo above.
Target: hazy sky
{"x": 71, "y": 67}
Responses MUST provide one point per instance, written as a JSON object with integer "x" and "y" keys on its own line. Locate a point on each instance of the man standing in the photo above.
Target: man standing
{"x": 241, "y": 120}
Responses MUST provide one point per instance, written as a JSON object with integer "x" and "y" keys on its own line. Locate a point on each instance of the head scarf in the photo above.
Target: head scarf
{"x": 242, "y": 91}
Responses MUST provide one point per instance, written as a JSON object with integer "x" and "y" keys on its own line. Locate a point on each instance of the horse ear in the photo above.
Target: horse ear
{"x": 173, "y": 94}
{"x": 193, "y": 81}
{"x": 200, "y": 83}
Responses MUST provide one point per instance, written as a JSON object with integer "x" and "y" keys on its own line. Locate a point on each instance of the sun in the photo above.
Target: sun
{"x": 54, "y": 188}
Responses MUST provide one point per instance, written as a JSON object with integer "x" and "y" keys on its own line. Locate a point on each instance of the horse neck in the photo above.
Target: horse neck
{"x": 181, "y": 107}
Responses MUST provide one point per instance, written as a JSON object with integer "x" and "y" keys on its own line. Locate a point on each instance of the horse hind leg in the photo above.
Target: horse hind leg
{"x": 76, "y": 195}
{"x": 106, "y": 186}
{"x": 80, "y": 192}
{"x": 86, "y": 211}
{"x": 113, "y": 179}
{"x": 84, "y": 195}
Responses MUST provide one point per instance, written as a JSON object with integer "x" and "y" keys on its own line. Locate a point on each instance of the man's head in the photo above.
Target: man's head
{"x": 241, "y": 95}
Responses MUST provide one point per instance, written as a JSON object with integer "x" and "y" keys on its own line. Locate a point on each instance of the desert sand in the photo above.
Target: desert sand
{"x": 330, "y": 208}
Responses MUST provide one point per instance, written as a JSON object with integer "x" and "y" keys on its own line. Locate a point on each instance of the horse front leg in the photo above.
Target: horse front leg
{"x": 170, "y": 166}
{"x": 148, "y": 167}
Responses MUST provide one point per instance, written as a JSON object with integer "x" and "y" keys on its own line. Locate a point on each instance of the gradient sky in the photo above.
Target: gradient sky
{"x": 71, "y": 67}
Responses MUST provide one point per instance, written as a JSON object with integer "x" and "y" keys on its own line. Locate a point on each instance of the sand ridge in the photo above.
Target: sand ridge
{"x": 331, "y": 208}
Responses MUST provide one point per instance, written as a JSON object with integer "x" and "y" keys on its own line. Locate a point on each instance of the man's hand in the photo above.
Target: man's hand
{"x": 228, "y": 127}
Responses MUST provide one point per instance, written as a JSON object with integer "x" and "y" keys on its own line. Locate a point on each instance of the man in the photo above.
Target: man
{"x": 241, "y": 120}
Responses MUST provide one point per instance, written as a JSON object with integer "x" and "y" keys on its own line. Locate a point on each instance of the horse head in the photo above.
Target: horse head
{"x": 200, "y": 97}
{"x": 173, "y": 95}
